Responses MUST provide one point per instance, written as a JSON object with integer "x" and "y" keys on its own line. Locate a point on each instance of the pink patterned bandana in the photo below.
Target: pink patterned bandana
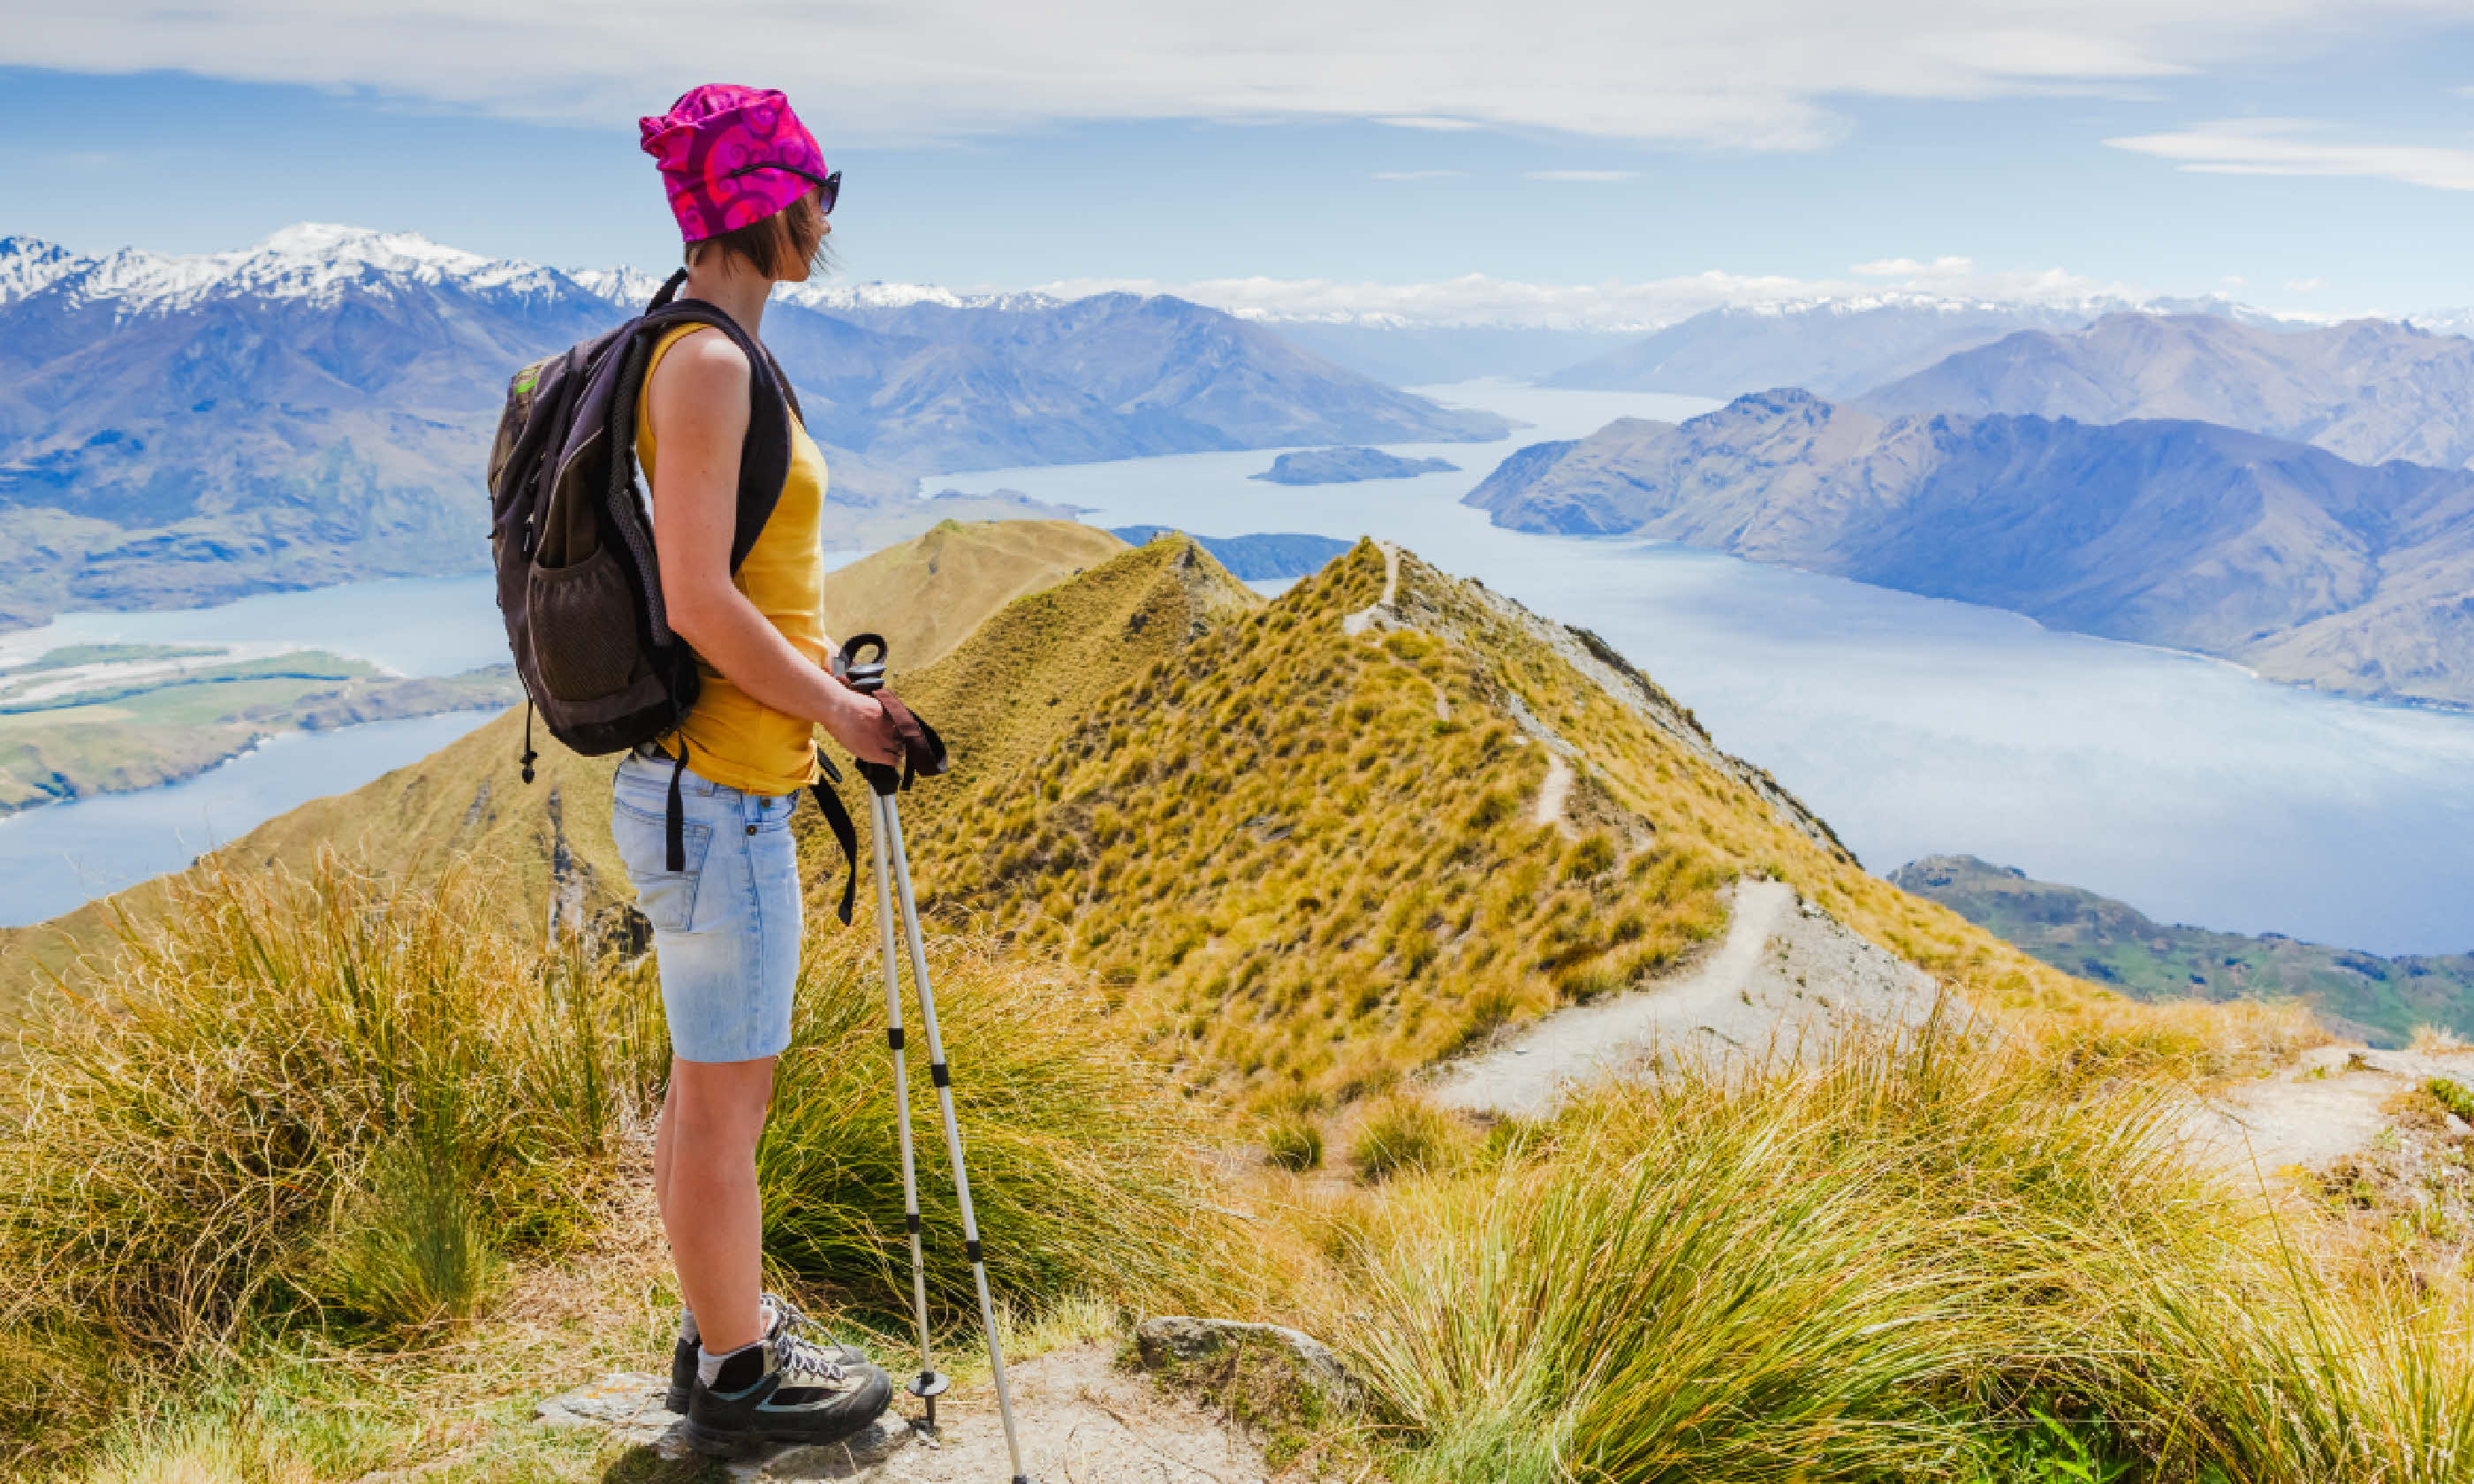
{"x": 731, "y": 157}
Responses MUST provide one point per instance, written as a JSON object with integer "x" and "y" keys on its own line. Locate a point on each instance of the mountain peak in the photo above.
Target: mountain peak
{"x": 29, "y": 265}
{"x": 334, "y": 242}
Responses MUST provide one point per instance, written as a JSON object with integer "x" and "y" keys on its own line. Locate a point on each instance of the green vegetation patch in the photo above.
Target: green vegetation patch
{"x": 214, "y": 691}
{"x": 2380, "y": 1000}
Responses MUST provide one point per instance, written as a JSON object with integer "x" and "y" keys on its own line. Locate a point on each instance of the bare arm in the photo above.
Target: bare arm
{"x": 699, "y": 409}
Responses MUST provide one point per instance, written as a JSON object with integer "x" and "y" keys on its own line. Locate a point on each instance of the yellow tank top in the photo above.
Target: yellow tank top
{"x": 733, "y": 738}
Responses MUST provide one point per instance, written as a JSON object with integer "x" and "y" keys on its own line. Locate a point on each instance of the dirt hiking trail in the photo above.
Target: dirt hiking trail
{"x": 1786, "y": 976}
{"x": 2332, "y": 1102}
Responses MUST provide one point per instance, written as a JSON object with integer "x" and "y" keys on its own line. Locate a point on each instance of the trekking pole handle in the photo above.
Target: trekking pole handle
{"x": 868, "y": 677}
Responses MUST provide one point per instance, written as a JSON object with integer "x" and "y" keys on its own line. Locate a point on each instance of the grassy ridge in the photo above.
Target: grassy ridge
{"x": 1310, "y": 862}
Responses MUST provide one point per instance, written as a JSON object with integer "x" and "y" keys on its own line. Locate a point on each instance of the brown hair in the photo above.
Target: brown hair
{"x": 778, "y": 244}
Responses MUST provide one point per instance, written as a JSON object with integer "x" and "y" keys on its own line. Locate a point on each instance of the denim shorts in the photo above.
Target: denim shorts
{"x": 726, "y": 929}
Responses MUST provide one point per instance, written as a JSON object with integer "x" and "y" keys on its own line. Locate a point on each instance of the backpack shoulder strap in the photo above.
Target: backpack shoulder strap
{"x": 764, "y": 453}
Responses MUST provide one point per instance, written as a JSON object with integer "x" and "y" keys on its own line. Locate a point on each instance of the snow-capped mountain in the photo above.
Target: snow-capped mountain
{"x": 317, "y": 261}
{"x": 318, "y": 406}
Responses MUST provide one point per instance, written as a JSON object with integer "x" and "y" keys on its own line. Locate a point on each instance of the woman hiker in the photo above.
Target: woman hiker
{"x": 751, "y": 194}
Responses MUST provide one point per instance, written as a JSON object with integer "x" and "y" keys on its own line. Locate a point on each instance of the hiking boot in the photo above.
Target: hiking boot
{"x": 783, "y": 1390}
{"x": 787, "y": 1319}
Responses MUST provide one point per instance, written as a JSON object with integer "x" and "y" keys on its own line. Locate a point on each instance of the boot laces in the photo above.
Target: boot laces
{"x": 796, "y": 1356}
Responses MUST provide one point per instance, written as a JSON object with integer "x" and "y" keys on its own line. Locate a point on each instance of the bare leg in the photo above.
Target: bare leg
{"x": 704, "y": 1179}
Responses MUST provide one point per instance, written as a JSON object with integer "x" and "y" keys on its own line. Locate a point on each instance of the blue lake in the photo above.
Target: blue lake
{"x": 2177, "y": 783}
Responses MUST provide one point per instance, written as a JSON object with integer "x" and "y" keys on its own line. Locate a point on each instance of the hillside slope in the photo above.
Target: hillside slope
{"x": 1319, "y": 842}
{"x": 2277, "y": 554}
{"x": 2358, "y": 995}
{"x": 2368, "y": 391}
{"x": 553, "y": 835}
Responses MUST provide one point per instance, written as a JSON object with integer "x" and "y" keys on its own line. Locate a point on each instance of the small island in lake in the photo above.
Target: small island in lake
{"x": 1347, "y": 466}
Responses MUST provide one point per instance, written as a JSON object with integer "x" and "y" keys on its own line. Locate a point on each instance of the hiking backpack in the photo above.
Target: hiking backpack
{"x": 572, "y": 538}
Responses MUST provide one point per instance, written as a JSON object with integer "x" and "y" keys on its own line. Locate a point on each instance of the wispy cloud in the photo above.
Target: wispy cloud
{"x": 1417, "y": 174}
{"x": 1585, "y": 177}
{"x": 2287, "y": 147}
{"x": 1911, "y": 268}
{"x": 1771, "y": 75}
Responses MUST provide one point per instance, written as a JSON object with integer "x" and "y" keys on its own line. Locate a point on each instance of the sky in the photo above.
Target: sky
{"x": 2300, "y": 155}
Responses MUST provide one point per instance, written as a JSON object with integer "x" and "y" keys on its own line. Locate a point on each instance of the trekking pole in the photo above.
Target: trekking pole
{"x": 929, "y": 1384}
{"x": 885, "y": 820}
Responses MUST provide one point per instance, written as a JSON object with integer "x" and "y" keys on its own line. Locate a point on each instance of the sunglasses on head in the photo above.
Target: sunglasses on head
{"x": 830, "y": 187}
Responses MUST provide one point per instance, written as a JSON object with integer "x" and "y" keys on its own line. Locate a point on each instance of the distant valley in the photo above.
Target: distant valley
{"x": 2380, "y": 1000}
{"x": 176, "y": 431}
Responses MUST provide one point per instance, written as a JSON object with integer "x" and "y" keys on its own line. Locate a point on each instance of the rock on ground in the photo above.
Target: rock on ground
{"x": 1174, "y": 1339}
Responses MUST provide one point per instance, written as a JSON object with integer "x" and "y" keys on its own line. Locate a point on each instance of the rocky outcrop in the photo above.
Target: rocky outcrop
{"x": 1172, "y": 1340}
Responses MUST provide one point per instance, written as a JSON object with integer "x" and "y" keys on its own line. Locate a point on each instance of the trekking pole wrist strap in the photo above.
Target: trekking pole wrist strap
{"x": 829, "y": 803}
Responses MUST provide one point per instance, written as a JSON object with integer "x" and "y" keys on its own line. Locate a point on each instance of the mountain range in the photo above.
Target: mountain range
{"x": 1842, "y": 346}
{"x": 1835, "y": 347}
{"x": 184, "y": 429}
{"x": 2277, "y": 554}
{"x": 2369, "y": 391}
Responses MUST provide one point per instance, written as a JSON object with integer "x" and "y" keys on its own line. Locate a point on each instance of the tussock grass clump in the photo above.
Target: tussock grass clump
{"x": 277, "y": 1060}
{"x": 1083, "y": 1154}
{"x": 2438, "y": 1040}
{"x": 1402, "y": 1131}
{"x": 1293, "y": 1142}
{"x": 1917, "y": 1260}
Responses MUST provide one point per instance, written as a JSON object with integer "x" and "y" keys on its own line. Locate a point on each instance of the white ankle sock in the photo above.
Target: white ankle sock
{"x": 688, "y": 1332}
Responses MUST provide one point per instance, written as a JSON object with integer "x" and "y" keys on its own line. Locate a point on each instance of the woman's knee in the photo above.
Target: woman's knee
{"x": 721, "y": 1102}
